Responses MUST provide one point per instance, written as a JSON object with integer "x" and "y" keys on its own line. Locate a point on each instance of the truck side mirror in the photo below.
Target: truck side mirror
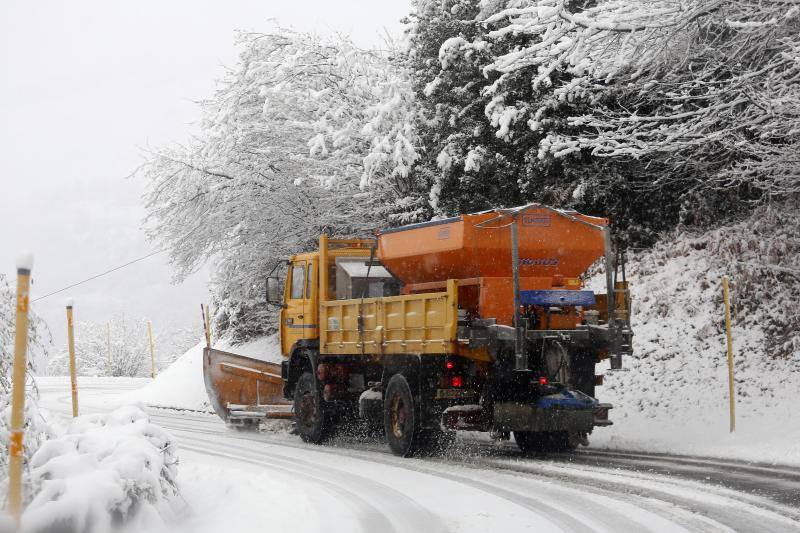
{"x": 274, "y": 292}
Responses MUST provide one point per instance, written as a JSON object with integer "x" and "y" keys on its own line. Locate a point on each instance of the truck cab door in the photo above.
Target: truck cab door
{"x": 293, "y": 316}
{"x": 311, "y": 302}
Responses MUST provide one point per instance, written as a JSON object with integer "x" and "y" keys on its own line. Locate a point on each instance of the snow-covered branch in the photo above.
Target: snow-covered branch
{"x": 306, "y": 135}
{"x": 702, "y": 84}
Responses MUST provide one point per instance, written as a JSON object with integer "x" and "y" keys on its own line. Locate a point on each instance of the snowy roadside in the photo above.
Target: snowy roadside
{"x": 86, "y": 468}
{"x": 672, "y": 396}
{"x": 181, "y": 385}
{"x": 111, "y": 471}
{"x": 217, "y": 492}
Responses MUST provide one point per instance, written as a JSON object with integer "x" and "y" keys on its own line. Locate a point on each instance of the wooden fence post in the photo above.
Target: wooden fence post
{"x": 15, "y": 448}
{"x": 152, "y": 350}
{"x": 731, "y": 391}
{"x": 108, "y": 342}
{"x": 73, "y": 379}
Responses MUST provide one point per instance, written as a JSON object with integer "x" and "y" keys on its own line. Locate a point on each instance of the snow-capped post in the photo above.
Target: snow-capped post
{"x": 24, "y": 267}
{"x": 71, "y": 346}
{"x": 207, "y": 326}
{"x": 108, "y": 344}
{"x": 731, "y": 391}
{"x": 152, "y": 350}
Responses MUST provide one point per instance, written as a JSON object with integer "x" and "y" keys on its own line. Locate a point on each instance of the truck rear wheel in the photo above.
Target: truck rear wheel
{"x": 400, "y": 418}
{"x": 309, "y": 413}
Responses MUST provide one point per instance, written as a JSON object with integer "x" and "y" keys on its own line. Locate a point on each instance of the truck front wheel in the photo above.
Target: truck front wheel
{"x": 309, "y": 412}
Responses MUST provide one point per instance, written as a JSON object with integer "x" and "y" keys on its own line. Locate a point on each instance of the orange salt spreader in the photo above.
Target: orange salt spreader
{"x": 555, "y": 248}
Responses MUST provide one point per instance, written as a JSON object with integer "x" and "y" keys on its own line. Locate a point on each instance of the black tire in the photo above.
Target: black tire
{"x": 528, "y": 442}
{"x": 400, "y": 419}
{"x": 531, "y": 442}
{"x": 310, "y": 419}
{"x": 245, "y": 426}
{"x": 583, "y": 364}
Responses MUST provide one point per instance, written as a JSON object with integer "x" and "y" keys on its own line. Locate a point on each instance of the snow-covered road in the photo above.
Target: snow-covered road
{"x": 272, "y": 481}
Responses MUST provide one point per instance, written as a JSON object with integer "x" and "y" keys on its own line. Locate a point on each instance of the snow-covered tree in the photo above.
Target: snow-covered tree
{"x": 477, "y": 148}
{"x": 172, "y": 341}
{"x": 706, "y": 90}
{"x": 466, "y": 166}
{"x": 279, "y": 160}
{"x": 130, "y": 349}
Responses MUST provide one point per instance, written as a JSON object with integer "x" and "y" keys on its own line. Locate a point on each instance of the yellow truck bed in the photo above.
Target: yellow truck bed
{"x": 416, "y": 323}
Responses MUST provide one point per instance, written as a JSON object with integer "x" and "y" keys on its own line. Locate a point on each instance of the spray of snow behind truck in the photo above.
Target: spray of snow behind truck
{"x": 479, "y": 322}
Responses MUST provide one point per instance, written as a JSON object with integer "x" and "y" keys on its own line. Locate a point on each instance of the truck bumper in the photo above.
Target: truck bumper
{"x": 520, "y": 417}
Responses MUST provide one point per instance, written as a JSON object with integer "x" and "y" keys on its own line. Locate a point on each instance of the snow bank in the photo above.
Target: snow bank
{"x": 673, "y": 395}
{"x": 181, "y": 385}
{"x": 267, "y": 348}
{"x": 106, "y": 473}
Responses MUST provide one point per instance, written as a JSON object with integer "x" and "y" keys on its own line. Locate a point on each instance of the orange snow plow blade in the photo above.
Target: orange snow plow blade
{"x": 242, "y": 388}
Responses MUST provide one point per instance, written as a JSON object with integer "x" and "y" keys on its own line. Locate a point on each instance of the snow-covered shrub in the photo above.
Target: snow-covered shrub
{"x": 105, "y": 473}
{"x": 35, "y": 427}
{"x": 130, "y": 350}
{"x": 762, "y": 256}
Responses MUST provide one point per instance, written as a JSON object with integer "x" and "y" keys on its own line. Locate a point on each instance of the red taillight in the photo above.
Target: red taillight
{"x": 456, "y": 381}
{"x": 543, "y": 380}
{"x": 449, "y": 365}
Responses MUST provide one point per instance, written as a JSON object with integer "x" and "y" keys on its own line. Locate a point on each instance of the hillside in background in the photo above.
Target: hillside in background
{"x": 673, "y": 394}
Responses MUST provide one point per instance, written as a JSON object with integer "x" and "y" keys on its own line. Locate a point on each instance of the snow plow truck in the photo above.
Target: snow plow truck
{"x": 480, "y": 322}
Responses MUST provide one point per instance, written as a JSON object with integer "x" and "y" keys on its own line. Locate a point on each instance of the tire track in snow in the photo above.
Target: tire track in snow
{"x": 370, "y": 517}
{"x": 576, "y": 518}
{"x": 412, "y": 518}
{"x": 680, "y": 501}
{"x": 781, "y": 485}
{"x": 559, "y": 518}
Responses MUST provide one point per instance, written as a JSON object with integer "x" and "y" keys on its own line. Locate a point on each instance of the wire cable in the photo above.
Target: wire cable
{"x": 151, "y": 254}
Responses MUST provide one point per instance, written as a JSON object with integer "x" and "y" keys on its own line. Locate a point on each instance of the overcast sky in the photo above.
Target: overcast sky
{"x": 85, "y": 85}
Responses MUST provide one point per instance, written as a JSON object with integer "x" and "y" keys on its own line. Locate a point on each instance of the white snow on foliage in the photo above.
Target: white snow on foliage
{"x": 472, "y": 163}
{"x": 107, "y": 472}
{"x": 451, "y": 50}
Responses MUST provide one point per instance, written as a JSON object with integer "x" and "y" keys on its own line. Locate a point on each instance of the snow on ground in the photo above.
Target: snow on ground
{"x": 216, "y": 494}
{"x": 672, "y": 396}
{"x": 264, "y": 348}
{"x": 181, "y": 385}
{"x": 227, "y": 495}
{"x": 103, "y": 469}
